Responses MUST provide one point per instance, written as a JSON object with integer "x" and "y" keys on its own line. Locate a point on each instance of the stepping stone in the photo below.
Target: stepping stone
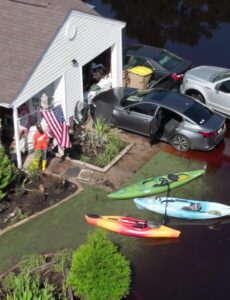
{"x": 85, "y": 175}
{"x": 73, "y": 172}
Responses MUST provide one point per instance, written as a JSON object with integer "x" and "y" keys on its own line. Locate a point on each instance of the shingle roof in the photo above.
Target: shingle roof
{"x": 26, "y": 28}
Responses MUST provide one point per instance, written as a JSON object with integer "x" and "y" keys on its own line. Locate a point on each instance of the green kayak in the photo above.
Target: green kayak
{"x": 155, "y": 185}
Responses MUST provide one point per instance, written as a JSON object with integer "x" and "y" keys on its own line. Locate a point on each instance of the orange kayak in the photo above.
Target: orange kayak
{"x": 132, "y": 226}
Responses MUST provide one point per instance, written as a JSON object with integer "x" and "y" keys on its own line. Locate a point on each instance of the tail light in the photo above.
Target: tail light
{"x": 208, "y": 134}
{"x": 177, "y": 77}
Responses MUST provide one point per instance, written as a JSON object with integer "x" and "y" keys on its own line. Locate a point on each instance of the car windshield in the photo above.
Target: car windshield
{"x": 221, "y": 76}
{"x": 198, "y": 113}
{"x": 168, "y": 60}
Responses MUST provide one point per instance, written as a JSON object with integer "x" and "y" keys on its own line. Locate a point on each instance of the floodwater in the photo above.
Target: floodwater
{"x": 197, "y": 267}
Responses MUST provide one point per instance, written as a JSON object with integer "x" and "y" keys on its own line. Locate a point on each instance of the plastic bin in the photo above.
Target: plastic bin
{"x": 138, "y": 77}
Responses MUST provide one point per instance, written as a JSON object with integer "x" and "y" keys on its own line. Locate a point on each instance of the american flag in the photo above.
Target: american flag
{"x": 57, "y": 126}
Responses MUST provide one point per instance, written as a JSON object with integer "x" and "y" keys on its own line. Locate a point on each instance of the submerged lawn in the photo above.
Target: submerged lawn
{"x": 64, "y": 226}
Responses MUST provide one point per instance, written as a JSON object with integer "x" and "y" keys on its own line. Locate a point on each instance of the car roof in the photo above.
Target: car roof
{"x": 169, "y": 99}
{"x": 144, "y": 50}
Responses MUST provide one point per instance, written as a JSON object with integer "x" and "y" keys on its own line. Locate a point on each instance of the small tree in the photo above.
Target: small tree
{"x": 7, "y": 172}
{"x": 99, "y": 271}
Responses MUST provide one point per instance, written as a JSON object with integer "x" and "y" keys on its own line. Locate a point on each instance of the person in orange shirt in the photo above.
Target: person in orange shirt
{"x": 41, "y": 140}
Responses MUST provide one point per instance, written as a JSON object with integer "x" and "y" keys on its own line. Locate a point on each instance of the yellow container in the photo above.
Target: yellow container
{"x": 141, "y": 70}
{"x": 138, "y": 77}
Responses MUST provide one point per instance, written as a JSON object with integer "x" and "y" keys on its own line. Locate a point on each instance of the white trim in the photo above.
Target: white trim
{"x": 17, "y": 138}
{"x": 100, "y": 18}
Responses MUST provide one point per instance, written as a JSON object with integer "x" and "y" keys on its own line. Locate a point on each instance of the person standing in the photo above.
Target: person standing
{"x": 41, "y": 140}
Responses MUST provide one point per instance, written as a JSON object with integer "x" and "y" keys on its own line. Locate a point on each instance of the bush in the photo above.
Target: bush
{"x": 38, "y": 277}
{"x": 7, "y": 172}
{"x": 113, "y": 147}
{"x": 34, "y": 167}
{"x": 99, "y": 271}
{"x": 100, "y": 145}
{"x": 25, "y": 287}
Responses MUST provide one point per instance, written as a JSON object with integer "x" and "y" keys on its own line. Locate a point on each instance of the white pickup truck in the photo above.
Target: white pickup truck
{"x": 210, "y": 85}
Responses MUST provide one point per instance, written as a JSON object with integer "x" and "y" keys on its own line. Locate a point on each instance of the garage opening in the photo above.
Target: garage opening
{"x": 97, "y": 72}
{"x": 96, "y": 78}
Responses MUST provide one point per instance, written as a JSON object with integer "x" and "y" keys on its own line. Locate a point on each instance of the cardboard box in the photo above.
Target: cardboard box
{"x": 125, "y": 78}
{"x": 138, "y": 77}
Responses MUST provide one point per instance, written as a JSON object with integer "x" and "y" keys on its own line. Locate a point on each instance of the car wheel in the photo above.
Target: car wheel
{"x": 181, "y": 143}
{"x": 198, "y": 97}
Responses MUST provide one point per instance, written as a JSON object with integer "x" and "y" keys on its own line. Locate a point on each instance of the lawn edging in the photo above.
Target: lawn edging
{"x": 106, "y": 168}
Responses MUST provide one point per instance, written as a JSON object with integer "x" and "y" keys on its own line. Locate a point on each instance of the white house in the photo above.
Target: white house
{"x": 48, "y": 46}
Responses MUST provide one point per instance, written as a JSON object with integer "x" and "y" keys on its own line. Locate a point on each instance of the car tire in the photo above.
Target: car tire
{"x": 181, "y": 143}
{"x": 198, "y": 96}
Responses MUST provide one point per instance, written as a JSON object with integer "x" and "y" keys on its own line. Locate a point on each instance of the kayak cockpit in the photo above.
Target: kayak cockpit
{"x": 194, "y": 207}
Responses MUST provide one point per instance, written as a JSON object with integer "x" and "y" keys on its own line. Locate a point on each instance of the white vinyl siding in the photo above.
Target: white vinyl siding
{"x": 94, "y": 35}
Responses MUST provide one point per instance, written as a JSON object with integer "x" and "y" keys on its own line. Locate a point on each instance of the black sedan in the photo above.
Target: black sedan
{"x": 161, "y": 115}
{"x": 161, "y": 61}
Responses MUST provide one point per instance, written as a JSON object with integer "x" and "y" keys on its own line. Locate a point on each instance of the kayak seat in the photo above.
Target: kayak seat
{"x": 192, "y": 207}
{"x": 173, "y": 177}
{"x": 140, "y": 225}
{"x": 163, "y": 182}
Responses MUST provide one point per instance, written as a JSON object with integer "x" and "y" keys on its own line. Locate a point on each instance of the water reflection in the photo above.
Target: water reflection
{"x": 156, "y": 22}
{"x": 195, "y": 30}
{"x": 214, "y": 224}
{"x": 197, "y": 265}
{"x": 159, "y": 241}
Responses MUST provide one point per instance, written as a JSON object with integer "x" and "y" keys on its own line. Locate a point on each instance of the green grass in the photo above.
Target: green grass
{"x": 64, "y": 226}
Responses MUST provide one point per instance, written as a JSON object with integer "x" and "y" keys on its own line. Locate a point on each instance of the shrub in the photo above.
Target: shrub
{"x": 30, "y": 262}
{"x": 99, "y": 271}
{"x": 62, "y": 261}
{"x": 100, "y": 143}
{"x": 101, "y": 127}
{"x": 34, "y": 278}
{"x": 7, "y": 172}
{"x": 24, "y": 287}
{"x": 33, "y": 168}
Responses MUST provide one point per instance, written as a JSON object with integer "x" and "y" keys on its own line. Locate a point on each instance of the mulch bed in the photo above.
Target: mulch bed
{"x": 39, "y": 195}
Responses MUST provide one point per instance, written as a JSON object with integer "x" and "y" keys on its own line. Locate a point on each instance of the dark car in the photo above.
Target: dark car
{"x": 159, "y": 60}
{"x": 161, "y": 115}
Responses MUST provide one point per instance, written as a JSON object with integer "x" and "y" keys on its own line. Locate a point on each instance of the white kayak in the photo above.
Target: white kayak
{"x": 183, "y": 208}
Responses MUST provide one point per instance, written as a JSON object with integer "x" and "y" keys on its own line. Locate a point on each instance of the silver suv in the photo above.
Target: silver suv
{"x": 210, "y": 85}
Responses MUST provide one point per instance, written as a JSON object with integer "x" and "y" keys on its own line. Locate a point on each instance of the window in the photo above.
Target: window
{"x": 198, "y": 113}
{"x": 144, "y": 108}
{"x": 168, "y": 60}
{"x": 225, "y": 87}
{"x": 126, "y": 61}
{"x": 139, "y": 61}
{"x": 131, "y": 99}
{"x": 220, "y": 76}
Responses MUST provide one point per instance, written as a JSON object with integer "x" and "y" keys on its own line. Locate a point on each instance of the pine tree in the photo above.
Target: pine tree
{"x": 99, "y": 271}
